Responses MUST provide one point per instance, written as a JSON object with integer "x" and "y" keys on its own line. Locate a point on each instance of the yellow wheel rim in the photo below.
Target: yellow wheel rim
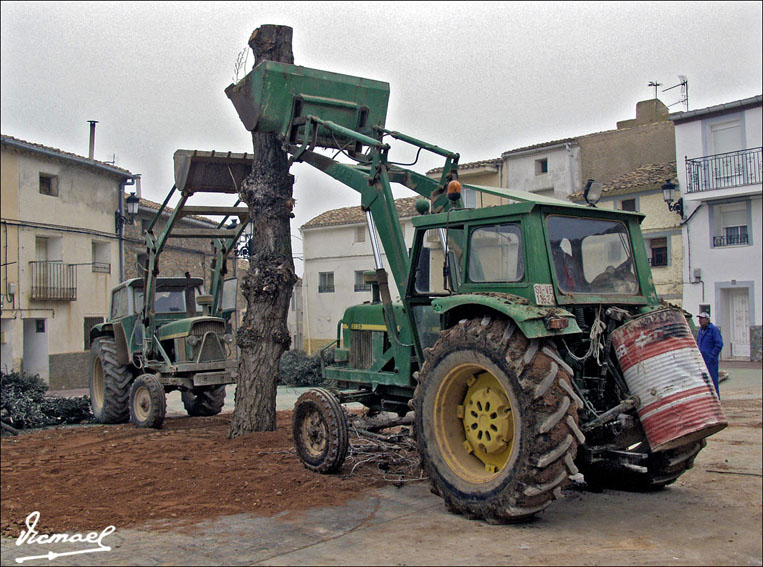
{"x": 98, "y": 386}
{"x": 474, "y": 423}
{"x": 142, "y": 403}
{"x": 314, "y": 434}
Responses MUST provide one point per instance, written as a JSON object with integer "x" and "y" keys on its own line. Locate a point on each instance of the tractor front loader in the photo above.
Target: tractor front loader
{"x": 166, "y": 333}
{"x": 528, "y": 339}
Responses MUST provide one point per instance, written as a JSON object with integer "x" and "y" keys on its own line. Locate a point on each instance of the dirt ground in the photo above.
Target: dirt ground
{"x": 261, "y": 506}
{"x": 87, "y": 476}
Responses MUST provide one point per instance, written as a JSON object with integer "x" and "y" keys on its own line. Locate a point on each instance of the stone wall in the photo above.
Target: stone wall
{"x": 756, "y": 349}
{"x": 69, "y": 371}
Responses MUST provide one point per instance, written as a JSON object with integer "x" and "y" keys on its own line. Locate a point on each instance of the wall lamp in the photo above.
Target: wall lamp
{"x": 132, "y": 205}
{"x": 669, "y": 192}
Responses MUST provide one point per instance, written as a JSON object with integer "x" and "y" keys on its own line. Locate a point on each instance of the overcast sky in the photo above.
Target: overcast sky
{"x": 478, "y": 78}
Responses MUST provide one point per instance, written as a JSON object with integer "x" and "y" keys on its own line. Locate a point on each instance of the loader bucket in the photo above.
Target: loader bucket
{"x": 275, "y": 97}
{"x": 213, "y": 172}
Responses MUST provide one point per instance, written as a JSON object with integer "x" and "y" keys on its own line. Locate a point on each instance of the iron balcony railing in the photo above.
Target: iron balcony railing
{"x": 721, "y": 171}
{"x": 54, "y": 281}
{"x": 102, "y": 267}
{"x": 730, "y": 240}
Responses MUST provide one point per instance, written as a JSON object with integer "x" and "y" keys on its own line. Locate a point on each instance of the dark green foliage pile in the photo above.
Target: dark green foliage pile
{"x": 300, "y": 369}
{"x": 22, "y": 396}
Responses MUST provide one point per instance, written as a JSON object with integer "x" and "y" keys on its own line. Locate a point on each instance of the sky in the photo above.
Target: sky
{"x": 477, "y": 78}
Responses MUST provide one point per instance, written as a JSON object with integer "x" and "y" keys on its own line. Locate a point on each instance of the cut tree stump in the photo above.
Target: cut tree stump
{"x": 267, "y": 286}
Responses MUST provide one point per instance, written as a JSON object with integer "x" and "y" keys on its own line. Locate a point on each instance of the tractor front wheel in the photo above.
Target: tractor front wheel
{"x": 203, "y": 403}
{"x": 148, "y": 403}
{"x": 109, "y": 383}
{"x": 320, "y": 431}
{"x": 496, "y": 421}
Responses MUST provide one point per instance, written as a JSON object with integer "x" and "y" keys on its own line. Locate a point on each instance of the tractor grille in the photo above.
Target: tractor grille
{"x": 199, "y": 329}
{"x": 361, "y": 351}
{"x": 211, "y": 349}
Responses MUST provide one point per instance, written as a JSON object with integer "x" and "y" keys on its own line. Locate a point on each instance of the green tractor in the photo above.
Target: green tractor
{"x": 529, "y": 339}
{"x": 165, "y": 333}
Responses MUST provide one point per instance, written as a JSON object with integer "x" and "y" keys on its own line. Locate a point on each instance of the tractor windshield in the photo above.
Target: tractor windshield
{"x": 591, "y": 256}
{"x": 168, "y": 300}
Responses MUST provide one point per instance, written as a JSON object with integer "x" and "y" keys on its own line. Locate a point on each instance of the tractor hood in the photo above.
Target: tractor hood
{"x": 183, "y": 327}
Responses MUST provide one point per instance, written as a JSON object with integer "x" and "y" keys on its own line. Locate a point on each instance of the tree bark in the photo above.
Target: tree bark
{"x": 267, "y": 286}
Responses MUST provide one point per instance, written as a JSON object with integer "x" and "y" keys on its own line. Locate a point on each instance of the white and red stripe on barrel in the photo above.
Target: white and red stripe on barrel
{"x": 662, "y": 365}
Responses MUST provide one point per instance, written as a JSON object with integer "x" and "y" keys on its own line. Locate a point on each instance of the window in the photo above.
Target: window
{"x": 48, "y": 185}
{"x": 325, "y": 282}
{"x": 628, "y": 205}
{"x": 541, "y": 166}
{"x": 360, "y": 234}
{"x": 90, "y": 322}
{"x": 469, "y": 198}
{"x": 495, "y": 254}
{"x": 659, "y": 252}
{"x": 431, "y": 272}
{"x": 39, "y": 325}
{"x": 591, "y": 255}
{"x": 101, "y": 257}
{"x": 730, "y": 224}
{"x": 360, "y": 282}
{"x": 119, "y": 303}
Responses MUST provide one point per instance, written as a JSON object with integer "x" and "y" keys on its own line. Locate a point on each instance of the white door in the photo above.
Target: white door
{"x": 740, "y": 322}
{"x": 35, "y": 355}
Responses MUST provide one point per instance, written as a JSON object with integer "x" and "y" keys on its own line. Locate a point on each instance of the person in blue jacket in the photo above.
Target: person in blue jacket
{"x": 710, "y": 343}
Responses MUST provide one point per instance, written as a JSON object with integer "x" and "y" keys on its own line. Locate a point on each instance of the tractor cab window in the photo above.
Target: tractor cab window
{"x": 434, "y": 275}
{"x": 168, "y": 300}
{"x": 592, "y": 256}
{"x": 495, "y": 254}
{"x": 119, "y": 305}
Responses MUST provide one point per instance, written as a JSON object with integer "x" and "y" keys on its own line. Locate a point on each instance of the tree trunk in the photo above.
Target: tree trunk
{"x": 267, "y": 286}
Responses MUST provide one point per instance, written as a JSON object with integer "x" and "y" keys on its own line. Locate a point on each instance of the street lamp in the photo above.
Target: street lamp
{"x": 669, "y": 192}
{"x": 132, "y": 205}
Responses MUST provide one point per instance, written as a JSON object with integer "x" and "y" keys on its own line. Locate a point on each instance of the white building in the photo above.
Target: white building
{"x": 62, "y": 252}
{"x": 337, "y": 250}
{"x": 718, "y": 150}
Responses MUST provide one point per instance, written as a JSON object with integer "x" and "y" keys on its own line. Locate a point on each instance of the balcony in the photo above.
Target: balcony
{"x": 54, "y": 281}
{"x": 724, "y": 171}
{"x": 730, "y": 240}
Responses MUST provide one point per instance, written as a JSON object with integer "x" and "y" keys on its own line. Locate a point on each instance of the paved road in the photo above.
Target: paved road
{"x": 699, "y": 520}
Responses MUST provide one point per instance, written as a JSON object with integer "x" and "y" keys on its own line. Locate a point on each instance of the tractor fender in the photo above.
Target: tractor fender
{"x": 123, "y": 353}
{"x": 532, "y": 320}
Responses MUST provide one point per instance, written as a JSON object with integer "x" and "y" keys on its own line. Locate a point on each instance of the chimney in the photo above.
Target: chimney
{"x": 92, "y": 138}
{"x": 137, "y": 185}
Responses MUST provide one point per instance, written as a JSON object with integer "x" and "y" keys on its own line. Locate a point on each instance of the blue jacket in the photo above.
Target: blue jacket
{"x": 710, "y": 342}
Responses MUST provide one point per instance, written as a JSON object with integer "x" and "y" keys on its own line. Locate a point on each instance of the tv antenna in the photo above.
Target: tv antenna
{"x": 684, "y": 84}
{"x": 655, "y": 84}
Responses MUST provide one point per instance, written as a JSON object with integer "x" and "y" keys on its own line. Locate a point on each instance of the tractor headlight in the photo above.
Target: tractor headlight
{"x": 228, "y": 338}
{"x": 193, "y": 340}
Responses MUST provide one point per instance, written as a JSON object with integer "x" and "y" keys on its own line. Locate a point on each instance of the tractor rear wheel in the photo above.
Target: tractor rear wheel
{"x": 109, "y": 383}
{"x": 656, "y": 472}
{"x": 203, "y": 403}
{"x": 496, "y": 421}
{"x": 148, "y": 403}
{"x": 320, "y": 431}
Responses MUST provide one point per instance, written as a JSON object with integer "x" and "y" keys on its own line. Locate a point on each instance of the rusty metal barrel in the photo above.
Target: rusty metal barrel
{"x": 662, "y": 365}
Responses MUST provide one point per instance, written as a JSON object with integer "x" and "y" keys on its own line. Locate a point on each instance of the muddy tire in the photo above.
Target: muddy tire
{"x": 204, "y": 403}
{"x": 319, "y": 425}
{"x": 658, "y": 471}
{"x": 496, "y": 421}
{"x": 109, "y": 383}
{"x": 148, "y": 403}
